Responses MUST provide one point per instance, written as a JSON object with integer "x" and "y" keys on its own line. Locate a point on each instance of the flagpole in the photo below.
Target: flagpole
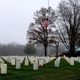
{"x": 48, "y": 31}
{"x": 48, "y": 3}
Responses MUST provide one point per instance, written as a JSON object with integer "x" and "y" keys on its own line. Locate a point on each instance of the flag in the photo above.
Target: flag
{"x": 45, "y": 23}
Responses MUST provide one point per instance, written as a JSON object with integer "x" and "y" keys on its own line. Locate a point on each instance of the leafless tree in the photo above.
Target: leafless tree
{"x": 69, "y": 24}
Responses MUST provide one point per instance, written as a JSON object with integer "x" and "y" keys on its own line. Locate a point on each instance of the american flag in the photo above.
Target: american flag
{"x": 45, "y": 23}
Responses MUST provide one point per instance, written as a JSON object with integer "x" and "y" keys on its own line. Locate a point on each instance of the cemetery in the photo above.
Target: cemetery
{"x": 52, "y": 47}
{"x": 39, "y": 68}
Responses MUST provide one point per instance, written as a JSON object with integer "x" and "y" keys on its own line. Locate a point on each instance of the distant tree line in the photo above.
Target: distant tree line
{"x": 15, "y": 49}
{"x": 11, "y": 49}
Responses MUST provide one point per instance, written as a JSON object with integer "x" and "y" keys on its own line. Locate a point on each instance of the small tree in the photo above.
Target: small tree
{"x": 30, "y": 49}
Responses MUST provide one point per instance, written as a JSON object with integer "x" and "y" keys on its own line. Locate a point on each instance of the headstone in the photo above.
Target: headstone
{"x": 9, "y": 59}
{"x": 41, "y": 62}
{"x": 17, "y": 64}
{"x": 72, "y": 61}
{"x": 32, "y": 60}
{"x": 75, "y": 59}
{"x": 26, "y": 62}
{"x": 78, "y": 59}
{"x": 44, "y": 61}
{"x": 0, "y": 63}
{"x": 13, "y": 61}
{"x": 68, "y": 60}
{"x": 21, "y": 59}
{"x": 35, "y": 66}
{"x": 47, "y": 59}
{"x": 3, "y": 68}
{"x": 57, "y": 62}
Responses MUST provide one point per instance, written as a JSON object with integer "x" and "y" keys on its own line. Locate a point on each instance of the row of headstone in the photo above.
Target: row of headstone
{"x": 77, "y": 59}
{"x": 13, "y": 60}
{"x": 70, "y": 60}
{"x": 41, "y": 61}
{"x": 36, "y": 61}
{"x": 17, "y": 60}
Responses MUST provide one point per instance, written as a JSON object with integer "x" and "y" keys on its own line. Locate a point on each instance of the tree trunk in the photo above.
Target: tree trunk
{"x": 45, "y": 50}
{"x": 56, "y": 50}
{"x": 72, "y": 49}
{"x": 72, "y": 41}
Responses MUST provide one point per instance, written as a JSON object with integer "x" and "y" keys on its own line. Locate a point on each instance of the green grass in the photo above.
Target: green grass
{"x": 47, "y": 72}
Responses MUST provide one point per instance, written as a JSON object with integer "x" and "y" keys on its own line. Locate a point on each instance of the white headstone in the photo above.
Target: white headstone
{"x": 13, "y": 61}
{"x": 78, "y": 59}
{"x": 26, "y": 62}
{"x": 75, "y": 59}
{"x": 68, "y": 60}
{"x": 9, "y": 59}
{"x": 72, "y": 61}
{"x": 57, "y": 62}
{"x": 41, "y": 62}
{"x": 35, "y": 66}
{"x": 44, "y": 61}
{"x": 47, "y": 59}
{"x": 17, "y": 64}
{"x": 3, "y": 68}
{"x": 0, "y": 63}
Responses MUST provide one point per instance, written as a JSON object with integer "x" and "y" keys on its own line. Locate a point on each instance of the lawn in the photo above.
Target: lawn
{"x": 47, "y": 72}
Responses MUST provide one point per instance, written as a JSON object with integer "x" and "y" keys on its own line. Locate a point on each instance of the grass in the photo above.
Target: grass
{"x": 47, "y": 72}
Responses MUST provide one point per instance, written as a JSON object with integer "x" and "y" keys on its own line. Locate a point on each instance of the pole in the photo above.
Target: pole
{"x": 48, "y": 31}
{"x": 48, "y": 3}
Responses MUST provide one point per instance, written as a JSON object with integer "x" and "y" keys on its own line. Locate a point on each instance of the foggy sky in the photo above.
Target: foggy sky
{"x": 16, "y": 15}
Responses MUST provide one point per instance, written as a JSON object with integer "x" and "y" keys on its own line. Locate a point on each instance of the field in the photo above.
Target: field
{"x": 47, "y": 72}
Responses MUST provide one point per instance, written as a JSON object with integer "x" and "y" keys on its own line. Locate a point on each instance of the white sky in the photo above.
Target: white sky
{"x": 16, "y": 15}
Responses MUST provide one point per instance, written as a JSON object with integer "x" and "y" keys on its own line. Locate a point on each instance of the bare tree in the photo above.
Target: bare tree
{"x": 37, "y": 34}
{"x": 69, "y": 24}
